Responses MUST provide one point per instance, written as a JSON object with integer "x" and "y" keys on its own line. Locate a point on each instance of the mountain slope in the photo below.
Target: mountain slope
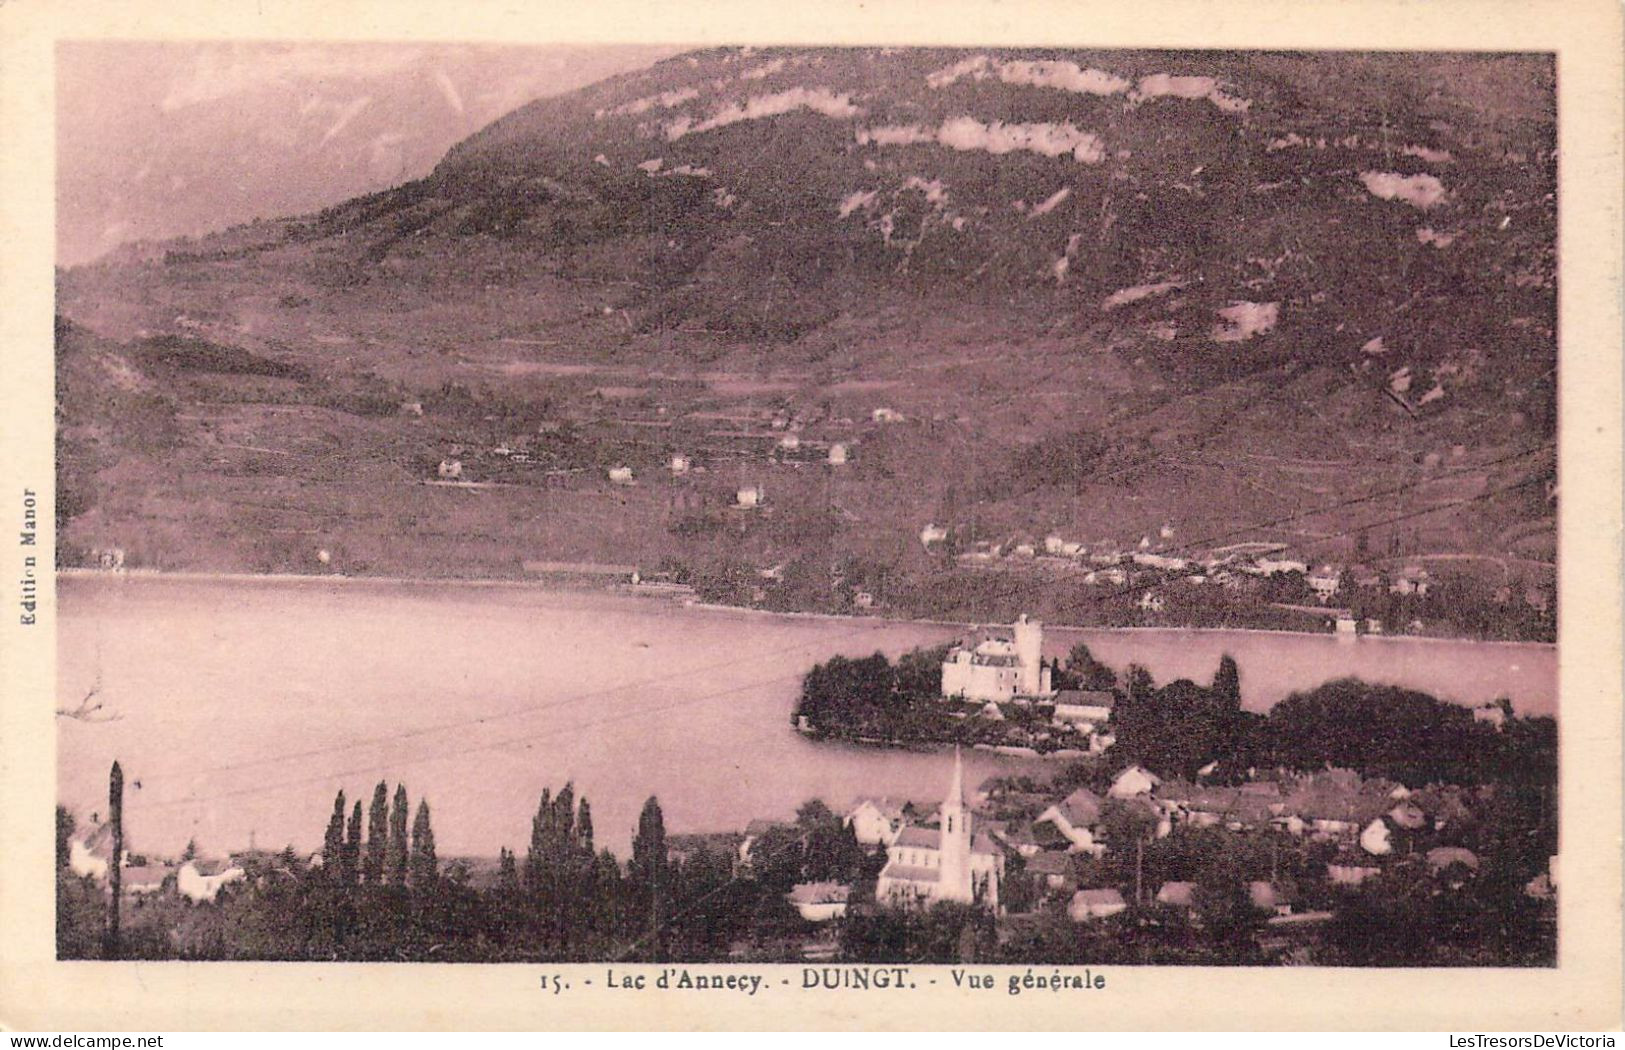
{"x": 1201, "y": 288}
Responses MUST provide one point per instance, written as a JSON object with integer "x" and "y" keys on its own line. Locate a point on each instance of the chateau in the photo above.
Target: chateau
{"x": 1004, "y": 664}
{"x": 945, "y": 863}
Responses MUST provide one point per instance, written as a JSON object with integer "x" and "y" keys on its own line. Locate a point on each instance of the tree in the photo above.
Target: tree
{"x": 333, "y": 842}
{"x": 65, "y": 828}
{"x": 507, "y": 872}
{"x": 372, "y": 871}
{"x": 425, "y": 867}
{"x": 351, "y": 856}
{"x": 396, "y": 856}
{"x": 1227, "y": 684}
{"x": 649, "y": 870}
{"x": 1087, "y": 672}
{"x": 190, "y": 852}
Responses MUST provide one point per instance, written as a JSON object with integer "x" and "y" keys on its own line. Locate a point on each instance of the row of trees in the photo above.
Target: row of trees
{"x": 387, "y": 856}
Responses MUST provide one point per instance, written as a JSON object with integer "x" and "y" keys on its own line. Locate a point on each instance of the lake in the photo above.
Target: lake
{"x": 240, "y": 705}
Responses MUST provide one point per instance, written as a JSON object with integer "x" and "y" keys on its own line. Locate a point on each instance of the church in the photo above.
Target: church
{"x": 944, "y": 863}
{"x": 1005, "y": 664}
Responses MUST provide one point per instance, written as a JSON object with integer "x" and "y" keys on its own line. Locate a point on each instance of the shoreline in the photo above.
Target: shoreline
{"x": 878, "y": 622}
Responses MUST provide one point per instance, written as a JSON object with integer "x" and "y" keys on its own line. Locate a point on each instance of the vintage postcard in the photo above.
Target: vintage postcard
{"x": 1024, "y": 516}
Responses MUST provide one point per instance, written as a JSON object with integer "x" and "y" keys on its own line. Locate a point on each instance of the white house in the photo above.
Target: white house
{"x": 749, "y": 497}
{"x": 876, "y": 821}
{"x": 1376, "y": 839}
{"x": 1002, "y": 666}
{"x": 1325, "y": 583}
{"x": 1151, "y": 601}
{"x": 838, "y": 454}
{"x": 1178, "y": 894}
{"x": 932, "y": 533}
{"x": 680, "y": 463}
{"x": 450, "y": 469}
{"x": 203, "y": 883}
{"x": 1095, "y": 904}
{"x": 621, "y": 475}
{"x": 1075, "y": 818}
{"x": 820, "y": 901}
{"x": 945, "y": 863}
{"x": 1083, "y": 709}
{"x": 886, "y": 415}
{"x": 1133, "y": 782}
{"x": 1272, "y": 566}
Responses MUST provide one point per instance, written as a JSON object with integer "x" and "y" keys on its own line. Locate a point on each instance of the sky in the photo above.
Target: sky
{"x": 158, "y": 140}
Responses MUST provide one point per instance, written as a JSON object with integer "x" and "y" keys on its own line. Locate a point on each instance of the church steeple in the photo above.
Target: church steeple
{"x": 956, "y": 873}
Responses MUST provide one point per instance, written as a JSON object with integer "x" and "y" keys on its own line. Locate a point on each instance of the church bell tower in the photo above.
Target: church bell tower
{"x": 955, "y": 877}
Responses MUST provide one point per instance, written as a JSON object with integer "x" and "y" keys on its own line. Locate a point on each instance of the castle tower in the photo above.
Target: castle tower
{"x": 1029, "y": 638}
{"x": 955, "y": 879}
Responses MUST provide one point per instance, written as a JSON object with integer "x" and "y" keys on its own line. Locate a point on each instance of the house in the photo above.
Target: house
{"x": 1095, "y": 904}
{"x": 1335, "y": 803}
{"x": 1075, "y": 818}
{"x": 1493, "y": 714}
{"x": 144, "y": 879}
{"x": 1177, "y": 894}
{"x": 1345, "y": 627}
{"x": 886, "y": 415}
{"x": 1325, "y": 583}
{"x": 450, "y": 469}
{"x": 1055, "y": 869}
{"x": 876, "y": 821}
{"x": 412, "y": 408}
{"x": 1151, "y": 601}
{"x": 838, "y": 454}
{"x": 680, "y": 464}
{"x": 1408, "y": 815}
{"x": 1412, "y": 579}
{"x": 790, "y": 442}
{"x": 200, "y": 880}
{"x": 931, "y": 534}
{"x": 945, "y": 863}
{"x": 819, "y": 901}
{"x": 1350, "y": 868}
{"x": 863, "y": 600}
{"x": 749, "y": 497}
{"x": 1133, "y": 782}
{"x": 1273, "y": 898}
{"x": 621, "y": 475}
{"x": 1003, "y": 665}
{"x": 88, "y": 856}
{"x": 1376, "y": 839}
{"x": 1278, "y": 566}
{"x": 1084, "y": 709}
{"x": 1442, "y": 857}
{"x": 1206, "y": 806}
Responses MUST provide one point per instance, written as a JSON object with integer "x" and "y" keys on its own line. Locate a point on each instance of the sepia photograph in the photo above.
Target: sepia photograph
{"x": 830, "y": 522}
{"x": 883, "y": 505}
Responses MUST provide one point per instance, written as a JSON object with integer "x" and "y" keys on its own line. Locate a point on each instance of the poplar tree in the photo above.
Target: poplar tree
{"x": 396, "y": 856}
{"x": 372, "y": 871}
{"x": 352, "y": 847}
{"x": 425, "y": 868}
{"x": 507, "y": 871}
{"x": 333, "y": 841}
{"x": 536, "y": 856}
{"x": 649, "y": 868}
{"x": 1227, "y": 684}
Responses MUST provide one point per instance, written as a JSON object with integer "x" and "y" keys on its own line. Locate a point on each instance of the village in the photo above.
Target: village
{"x": 1276, "y": 859}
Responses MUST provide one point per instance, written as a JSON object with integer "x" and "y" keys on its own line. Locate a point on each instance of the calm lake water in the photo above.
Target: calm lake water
{"x": 243, "y": 705}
